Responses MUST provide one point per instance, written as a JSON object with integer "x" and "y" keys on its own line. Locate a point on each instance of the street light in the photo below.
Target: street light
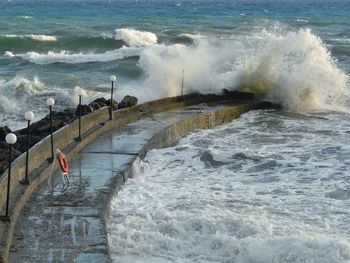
{"x": 29, "y": 116}
{"x": 50, "y": 102}
{"x": 81, "y": 93}
{"x": 10, "y": 140}
{"x": 112, "y": 79}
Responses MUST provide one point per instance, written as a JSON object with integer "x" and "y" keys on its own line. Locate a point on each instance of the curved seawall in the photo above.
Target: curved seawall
{"x": 176, "y": 118}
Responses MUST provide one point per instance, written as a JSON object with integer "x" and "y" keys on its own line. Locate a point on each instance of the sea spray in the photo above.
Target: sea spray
{"x": 293, "y": 69}
{"x": 203, "y": 65}
{"x": 15, "y": 92}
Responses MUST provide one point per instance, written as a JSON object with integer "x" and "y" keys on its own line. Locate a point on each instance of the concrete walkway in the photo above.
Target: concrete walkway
{"x": 68, "y": 224}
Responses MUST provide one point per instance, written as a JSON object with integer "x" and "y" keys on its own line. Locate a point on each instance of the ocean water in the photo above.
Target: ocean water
{"x": 269, "y": 187}
{"x": 272, "y": 186}
{"x": 294, "y": 52}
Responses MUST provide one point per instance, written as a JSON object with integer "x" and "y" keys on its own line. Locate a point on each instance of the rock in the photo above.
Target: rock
{"x": 115, "y": 104}
{"x": 21, "y": 143}
{"x": 3, "y": 132}
{"x": 95, "y": 105}
{"x": 127, "y": 101}
{"x": 85, "y": 109}
{"x": 3, "y": 145}
{"x": 4, "y": 154}
{"x": 101, "y": 101}
{"x": 67, "y": 115}
{"x": 3, "y": 167}
{"x": 70, "y": 112}
{"x": 4, "y": 157}
{"x": 42, "y": 127}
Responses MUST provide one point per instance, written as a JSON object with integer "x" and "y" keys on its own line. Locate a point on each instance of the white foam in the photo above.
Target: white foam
{"x": 291, "y": 68}
{"x": 265, "y": 202}
{"x": 9, "y": 54}
{"x": 192, "y": 36}
{"x": 302, "y": 20}
{"x": 74, "y": 58}
{"x": 26, "y": 17}
{"x": 135, "y": 38}
{"x": 43, "y": 38}
{"x": 16, "y": 91}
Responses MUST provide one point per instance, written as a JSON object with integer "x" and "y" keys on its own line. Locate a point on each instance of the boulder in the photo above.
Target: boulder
{"x": 115, "y": 104}
{"x": 3, "y": 145}
{"x": 21, "y": 143}
{"x": 42, "y": 127}
{"x": 4, "y": 157}
{"x": 101, "y": 101}
{"x": 4, "y": 154}
{"x": 128, "y": 101}
{"x": 95, "y": 105}
{"x": 3, "y": 167}
{"x": 70, "y": 112}
{"x": 85, "y": 109}
{"x": 3, "y": 132}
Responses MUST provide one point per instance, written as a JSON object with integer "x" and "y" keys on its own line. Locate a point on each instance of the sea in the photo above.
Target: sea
{"x": 272, "y": 186}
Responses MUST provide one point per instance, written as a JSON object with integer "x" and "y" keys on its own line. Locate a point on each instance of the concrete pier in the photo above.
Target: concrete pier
{"x": 68, "y": 223}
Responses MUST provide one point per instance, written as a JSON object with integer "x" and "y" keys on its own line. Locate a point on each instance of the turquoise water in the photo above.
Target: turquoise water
{"x": 47, "y": 48}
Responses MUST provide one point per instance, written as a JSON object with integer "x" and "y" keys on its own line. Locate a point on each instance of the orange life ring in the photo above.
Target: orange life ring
{"x": 63, "y": 162}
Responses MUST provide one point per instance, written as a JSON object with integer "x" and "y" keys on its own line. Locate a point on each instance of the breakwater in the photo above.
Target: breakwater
{"x": 96, "y": 124}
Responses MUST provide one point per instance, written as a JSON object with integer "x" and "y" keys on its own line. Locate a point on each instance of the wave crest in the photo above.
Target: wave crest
{"x": 135, "y": 38}
{"x": 75, "y": 58}
{"x": 15, "y": 92}
{"x": 294, "y": 69}
{"x": 43, "y": 38}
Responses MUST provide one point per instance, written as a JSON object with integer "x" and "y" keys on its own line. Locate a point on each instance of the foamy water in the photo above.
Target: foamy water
{"x": 293, "y": 68}
{"x": 43, "y": 38}
{"x": 268, "y": 187}
{"x": 71, "y": 58}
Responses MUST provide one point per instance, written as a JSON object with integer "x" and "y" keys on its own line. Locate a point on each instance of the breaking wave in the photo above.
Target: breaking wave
{"x": 43, "y": 38}
{"x": 294, "y": 69}
{"x": 135, "y": 38}
{"x": 15, "y": 92}
{"x": 75, "y": 58}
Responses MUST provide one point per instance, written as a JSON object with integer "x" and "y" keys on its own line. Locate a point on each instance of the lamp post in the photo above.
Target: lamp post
{"x": 182, "y": 83}
{"x": 29, "y": 116}
{"x": 50, "y": 102}
{"x": 10, "y": 140}
{"x": 81, "y": 93}
{"x": 112, "y": 79}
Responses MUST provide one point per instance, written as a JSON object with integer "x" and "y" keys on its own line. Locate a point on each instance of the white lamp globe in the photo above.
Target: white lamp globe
{"x": 80, "y": 91}
{"x": 29, "y": 115}
{"x": 50, "y": 102}
{"x": 112, "y": 78}
{"x": 11, "y": 138}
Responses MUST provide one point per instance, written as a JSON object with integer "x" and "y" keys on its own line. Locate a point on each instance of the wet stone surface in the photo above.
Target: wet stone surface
{"x": 67, "y": 224}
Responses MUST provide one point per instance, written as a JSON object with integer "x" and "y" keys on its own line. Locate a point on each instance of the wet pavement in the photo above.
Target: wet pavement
{"x": 68, "y": 223}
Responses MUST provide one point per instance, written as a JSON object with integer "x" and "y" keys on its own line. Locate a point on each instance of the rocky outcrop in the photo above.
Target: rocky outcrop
{"x": 85, "y": 109}
{"x": 3, "y": 132}
{"x": 115, "y": 104}
{"x": 128, "y": 101}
